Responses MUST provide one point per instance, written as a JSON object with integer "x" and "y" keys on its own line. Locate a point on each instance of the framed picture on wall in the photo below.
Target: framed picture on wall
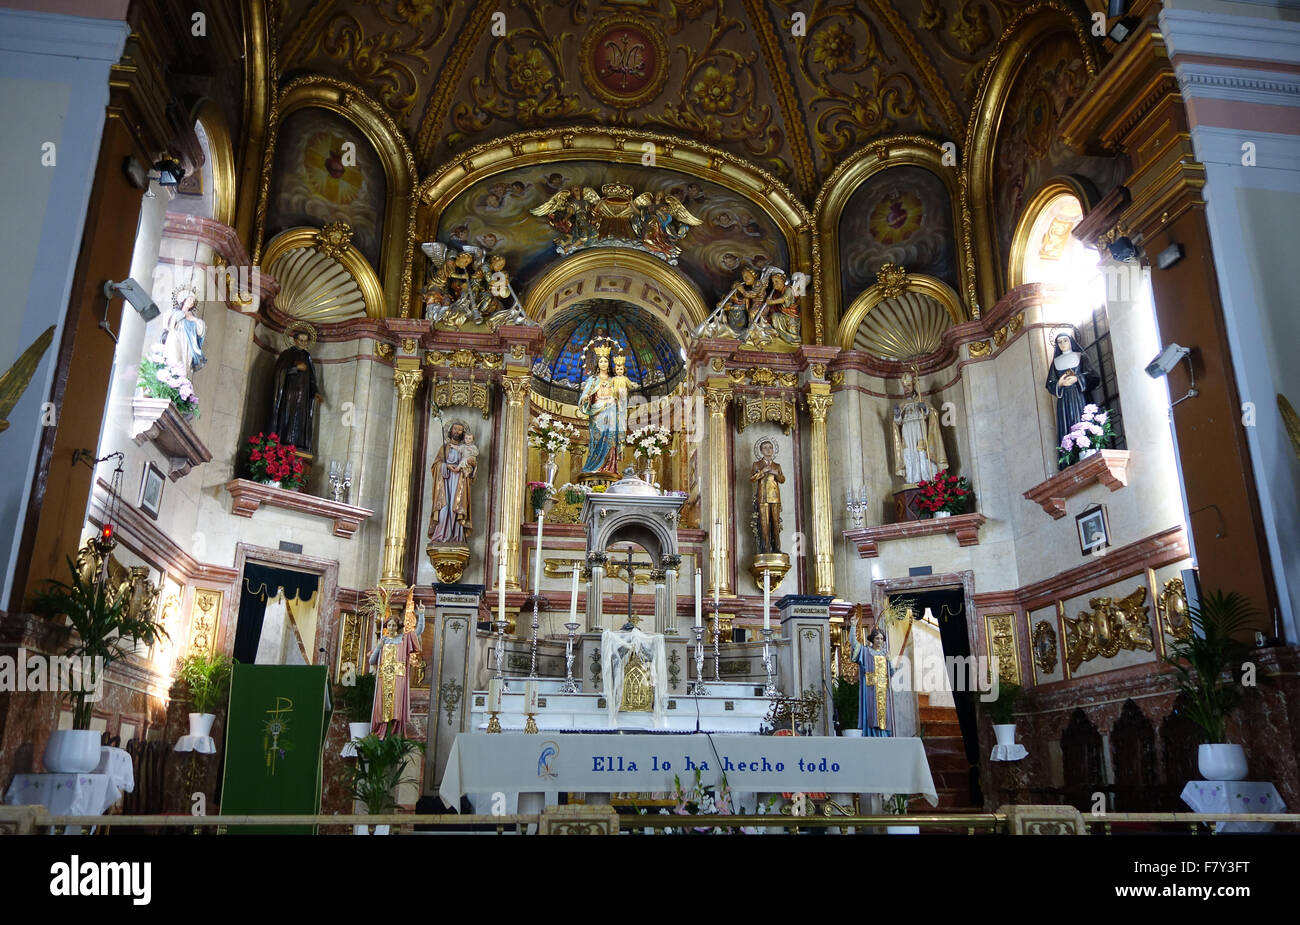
{"x": 1093, "y": 528}
{"x": 151, "y": 490}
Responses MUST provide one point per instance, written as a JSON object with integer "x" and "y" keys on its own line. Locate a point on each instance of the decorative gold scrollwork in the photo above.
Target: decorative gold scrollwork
{"x": 1044, "y": 643}
{"x": 1172, "y": 607}
{"x": 756, "y": 409}
{"x": 1112, "y": 625}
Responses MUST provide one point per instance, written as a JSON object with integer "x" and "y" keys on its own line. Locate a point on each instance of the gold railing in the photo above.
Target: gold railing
{"x": 35, "y": 820}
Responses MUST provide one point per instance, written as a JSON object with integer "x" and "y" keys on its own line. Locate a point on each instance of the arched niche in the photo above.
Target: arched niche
{"x": 902, "y": 320}
{"x": 397, "y": 231}
{"x": 220, "y": 168}
{"x": 1041, "y": 23}
{"x": 767, "y": 200}
{"x": 318, "y": 284}
{"x": 850, "y": 177}
{"x": 1045, "y": 227}
{"x": 643, "y": 524}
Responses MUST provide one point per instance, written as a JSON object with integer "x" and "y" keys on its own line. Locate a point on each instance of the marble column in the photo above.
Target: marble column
{"x": 717, "y": 396}
{"x": 406, "y": 379}
{"x": 818, "y": 401}
{"x": 657, "y": 575}
{"x": 672, "y": 566}
{"x": 596, "y": 591}
{"x": 455, "y": 661}
{"x": 804, "y": 663}
{"x": 514, "y": 390}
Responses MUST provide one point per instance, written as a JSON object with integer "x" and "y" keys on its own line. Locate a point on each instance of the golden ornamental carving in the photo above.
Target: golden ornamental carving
{"x": 1000, "y": 634}
{"x": 1044, "y": 644}
{"x": 762, "y": 308}
{"x": 1111, "y": 626}
{"x": 407, "y": 383}
{"x": 717, "y": 400}
{"x": 892, "y": 279}
{"x": 763, "y": 377}
{"x": 756, "y": 409}
{"x": 464, "y": 393}
{"x": 837, "y": 378}
{"x": 717, "y": 364}
{"x": 466, "y": 285}
{"x": 350, "y": 643}
{"x": 518, "y": 351}
{"x": 615, "y": 215}
{"x": 334, "y": 239}
{"x": 383, "y": 351}
{"x": 980, "y": 348}
{"x": 1172, "y": 607}
{"x": 464, "y": 358}
{"x": 818, "y": 406}
{"x": 204, "y": 619}
{"x": 409, "y": 345}
{"x": 818, "y": 370}
{"x": 516, "y": 388}
{"x": 616, "y": 48}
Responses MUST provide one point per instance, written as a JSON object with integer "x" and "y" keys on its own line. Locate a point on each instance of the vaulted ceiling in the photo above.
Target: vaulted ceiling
{"x": 793, "y": 96}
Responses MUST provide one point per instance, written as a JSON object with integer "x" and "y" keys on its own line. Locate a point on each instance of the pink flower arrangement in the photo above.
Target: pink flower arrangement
{"x": 1094, "y": 430}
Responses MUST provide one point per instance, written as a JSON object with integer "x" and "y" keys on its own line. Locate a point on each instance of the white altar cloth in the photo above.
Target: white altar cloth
{"x": 550, "y": 762}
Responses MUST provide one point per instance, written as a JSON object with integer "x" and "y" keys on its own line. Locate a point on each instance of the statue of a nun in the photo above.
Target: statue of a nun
{"x": 875, "y": 696}
{"x": 1070, "y": 378}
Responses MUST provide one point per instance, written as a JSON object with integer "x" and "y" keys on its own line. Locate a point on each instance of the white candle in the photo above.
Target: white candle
{"x": 501, "y": 587}
{"x": 530, "y": 696}
{"x": 717, "y": 560}
{"x": 573, "y": 596}
{"x": 699, "y": 594}
{"x": 767, "y": 600}
{"x": 537, "y": 553}
{"x": 494, "y": 695}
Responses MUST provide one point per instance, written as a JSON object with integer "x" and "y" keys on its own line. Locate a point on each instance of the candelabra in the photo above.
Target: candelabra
{"x": 501, "y": 653}
{"x": 717, "y": 636}
{"x": 570, "y": 686}
{"x": 857, "y": 505}
{"x": 340, "y": 481}
{"x": 494, "y": 724}
{"x": 769, "y": 664}
{"x": 530, "y": 725}
{"x": 700, "y": 689}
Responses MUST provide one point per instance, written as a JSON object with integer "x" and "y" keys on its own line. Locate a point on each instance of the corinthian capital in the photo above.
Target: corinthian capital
{"x": 516, "y": 388}
{"x": 717, "y": 400}
{"x": 407, "y": 382}
{"x": 818, "y": 406}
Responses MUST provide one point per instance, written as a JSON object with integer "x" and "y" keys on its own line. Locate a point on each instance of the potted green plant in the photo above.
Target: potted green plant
{"x": 845, "y": 694}
{"x": 357, "y": 700}
{"x": 207, "y": 678}
{"x": 378, "y": 772}
{"x": 1205, "y": 661}
{"x": 1002, "y": 710}
{"x": 896, "y": 805}
{"x": 105, "y": 628}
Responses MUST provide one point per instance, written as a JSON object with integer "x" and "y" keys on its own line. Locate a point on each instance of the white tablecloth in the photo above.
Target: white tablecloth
{"x": 64, "y": 794}
{"x": 549, "y": 762}
{"x": 1234, "y": 796}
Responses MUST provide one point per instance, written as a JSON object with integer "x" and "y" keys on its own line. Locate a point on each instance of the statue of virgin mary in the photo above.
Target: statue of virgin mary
{"x": 1070, "y": 378}
{"x": 604, "y": 402}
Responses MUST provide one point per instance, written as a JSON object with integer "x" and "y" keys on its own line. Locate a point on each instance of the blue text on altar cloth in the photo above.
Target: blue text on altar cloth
{"x": 618, "y": 764}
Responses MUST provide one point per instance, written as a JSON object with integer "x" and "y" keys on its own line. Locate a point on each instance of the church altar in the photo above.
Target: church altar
{"x": 601, "y": 763}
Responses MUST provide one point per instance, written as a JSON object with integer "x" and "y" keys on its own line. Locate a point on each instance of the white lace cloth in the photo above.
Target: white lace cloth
{"x": 1012, "y": 752}
{"x": 616, "y": 646}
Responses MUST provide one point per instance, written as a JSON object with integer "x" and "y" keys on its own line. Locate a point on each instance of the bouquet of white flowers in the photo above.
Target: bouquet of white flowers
{"x": 160, "y": 379}
{"x": 650, "y": 441}
{"x": 551, "y": 434}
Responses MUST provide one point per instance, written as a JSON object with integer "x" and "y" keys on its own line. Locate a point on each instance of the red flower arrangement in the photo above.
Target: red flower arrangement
{"x": 271, "y": 461}
{"x": 944, "y": 492}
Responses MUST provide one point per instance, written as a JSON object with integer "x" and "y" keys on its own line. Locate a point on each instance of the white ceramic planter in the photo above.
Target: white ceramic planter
{"x": 201, "y": 724}
{"x": 852, "y": 733}
{"x": 355, "y": 731}
{"x": 1222, "y": 762}
{"x": 200, "y": 735}
{"x": 72, "y": 751}
{"x": 1005, "y": 733}
{"x": 939, "y": 514}
{"x": 903, "y": 829}
{"x": 1084, "y": 454}
{"x": 365, "y": 830}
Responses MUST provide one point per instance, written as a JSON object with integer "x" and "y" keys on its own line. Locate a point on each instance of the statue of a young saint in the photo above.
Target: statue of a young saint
{"x": 1070, "y": 378}
{"x": 296, "y": 390}
{"x": 604, "y": 402}
{"x": 390, "y": 659}
{"x": 918, "y": 438}
{"x": 183, "y": 333}
{"x": 767, "y": 477}
{"x": 875, "y": 697}
{"x": 453, "y": 478}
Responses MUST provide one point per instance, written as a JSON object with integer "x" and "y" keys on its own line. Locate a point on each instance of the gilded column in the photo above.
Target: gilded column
{"x": 819, "y": 405}
{"x": 515, "y": 390}
{"x": 406, "y": 379}
{"x": 718, "y": 395}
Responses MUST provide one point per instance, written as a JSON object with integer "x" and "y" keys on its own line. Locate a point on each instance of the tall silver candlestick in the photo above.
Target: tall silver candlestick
{"x": 717, "y": 636}
{"x": 769, "y": 664}
{"x": 700, "y": 689}
{"x": 532, "y": 666}
{"x": 569, "y": 686}
{"x": 501, "y": 653}
{"x": 856, "y": 502}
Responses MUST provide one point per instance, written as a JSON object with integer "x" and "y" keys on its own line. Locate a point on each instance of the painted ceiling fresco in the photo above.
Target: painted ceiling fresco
{"x": 494, "y": 214}
{"x": 653, "y": 359}
{"x": 731, "y": 73}
{"x": 899, "y": 215}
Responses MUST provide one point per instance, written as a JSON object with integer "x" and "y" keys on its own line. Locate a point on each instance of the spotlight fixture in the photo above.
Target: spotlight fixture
{"x": 1169, "y": 256}
{"x": 170, "y": 171}
{"x": 1123, "y": 28}
{"x": 134, "y": 293}
{"x": 1122, "y": 249}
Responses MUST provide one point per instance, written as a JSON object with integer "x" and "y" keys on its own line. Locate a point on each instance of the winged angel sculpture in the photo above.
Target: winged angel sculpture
{"x": 468, "y": 285}
{"x": 582, "y": 217}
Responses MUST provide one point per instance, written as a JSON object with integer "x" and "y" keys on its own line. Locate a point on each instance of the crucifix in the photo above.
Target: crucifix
{"x": 630, "y": 622}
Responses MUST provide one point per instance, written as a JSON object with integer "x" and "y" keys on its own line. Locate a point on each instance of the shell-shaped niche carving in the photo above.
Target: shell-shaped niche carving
{"x": 909, "y": 325}
{"x": 315, "y": 287}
